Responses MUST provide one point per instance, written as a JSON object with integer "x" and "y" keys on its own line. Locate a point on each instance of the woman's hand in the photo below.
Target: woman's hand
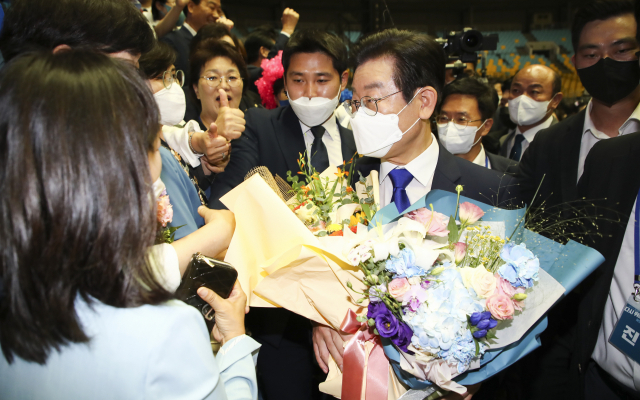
{"x": 229, "y": 312}
{"x": 230, "y": 121}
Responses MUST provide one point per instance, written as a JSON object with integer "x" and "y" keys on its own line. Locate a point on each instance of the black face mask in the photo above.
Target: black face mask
{"x": 505, "y": 118}
{"x": 609, "y": 80}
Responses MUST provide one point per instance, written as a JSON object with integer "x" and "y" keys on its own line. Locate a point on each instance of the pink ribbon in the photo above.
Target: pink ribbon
{"x": 355, "y": 359}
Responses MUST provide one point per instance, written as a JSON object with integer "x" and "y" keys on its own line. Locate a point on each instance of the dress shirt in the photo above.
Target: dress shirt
{"x": 529, "y": 135}
{"x": 163, "y": 258}
{"x": 190, "y": 29}
{"x": 621, "y": 367}
{"x": 482, "y": 159}
{"x": 331, "y": 139}
{"x": 422, "y": 168}
{"x": 177, "y": 137}
{"x": 591, "y": 135}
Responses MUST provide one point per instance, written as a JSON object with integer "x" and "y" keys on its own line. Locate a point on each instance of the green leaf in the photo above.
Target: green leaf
{"x": 367, "y": 211}
{"x": 477, "y": 347}
{"x": 322, "y": 233}
{"x": 453, "y": 230}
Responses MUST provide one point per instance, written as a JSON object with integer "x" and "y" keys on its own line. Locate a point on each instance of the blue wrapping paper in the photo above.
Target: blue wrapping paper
{"x": 569, "y": 264}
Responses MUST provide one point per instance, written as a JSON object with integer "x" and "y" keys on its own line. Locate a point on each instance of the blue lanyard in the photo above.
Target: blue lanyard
{"x": 636, "y": 244}
{"x": 486, "y": 165}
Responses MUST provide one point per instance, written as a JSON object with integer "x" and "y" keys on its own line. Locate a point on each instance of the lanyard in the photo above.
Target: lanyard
{"x": 636, "y": 249}
{"x": 486, "y": 165}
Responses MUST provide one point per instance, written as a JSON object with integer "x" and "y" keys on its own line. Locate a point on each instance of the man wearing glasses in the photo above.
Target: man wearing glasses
{"x": 465, "y": 117}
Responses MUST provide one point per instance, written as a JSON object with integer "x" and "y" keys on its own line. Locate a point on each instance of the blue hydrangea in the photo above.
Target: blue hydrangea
{"x": 404, "y": 265}
{"x": 462, "y": 351}
{"x": 521, "y": 266}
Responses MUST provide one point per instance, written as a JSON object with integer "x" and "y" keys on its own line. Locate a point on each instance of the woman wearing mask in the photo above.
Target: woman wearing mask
{"x": 81, "y": 312}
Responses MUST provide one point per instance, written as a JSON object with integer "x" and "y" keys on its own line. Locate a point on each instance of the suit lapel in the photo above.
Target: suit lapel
{"x": 347, "y": 142}
{"x": 447, "y": 172}
{"x": 569, "y": 148}
{"x": 504, "y": 146}
{"x": 290, "y": 137}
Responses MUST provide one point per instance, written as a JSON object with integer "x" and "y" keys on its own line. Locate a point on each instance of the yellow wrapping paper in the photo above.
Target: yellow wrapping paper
{"x": 281, "y": 263}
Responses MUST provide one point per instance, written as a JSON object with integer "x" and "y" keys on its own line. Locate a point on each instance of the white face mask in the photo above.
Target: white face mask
{"x": 526, "y": 111}
{"x": 316, "y": 110}
{"x": 172, "y": 105}
{"x": 374, "y": 135}
{"x": 458, "y": 140}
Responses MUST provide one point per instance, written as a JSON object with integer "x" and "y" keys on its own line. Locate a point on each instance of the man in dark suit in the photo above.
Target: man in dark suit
{"x": 611, "y": 180}
{"x": 397, "y": 82}
{"x": 260, "y": 45}
{"x": 465, "y": 118}
{"x": 535, "y": 94}
{"x": 198, "y": 14}
{"x": 315, "y": 70}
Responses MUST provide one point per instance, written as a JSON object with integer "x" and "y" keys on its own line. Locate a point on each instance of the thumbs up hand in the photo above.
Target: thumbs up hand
{"x": 230, "y": 121}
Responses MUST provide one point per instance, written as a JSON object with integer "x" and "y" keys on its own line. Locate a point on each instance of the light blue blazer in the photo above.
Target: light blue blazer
{"x": 147, "y": 352}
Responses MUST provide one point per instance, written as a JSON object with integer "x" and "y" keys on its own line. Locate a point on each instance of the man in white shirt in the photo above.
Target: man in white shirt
{"x": 397, "y": 82}
{"x": 535, "y": 94}
{"x": 465, "y": 117}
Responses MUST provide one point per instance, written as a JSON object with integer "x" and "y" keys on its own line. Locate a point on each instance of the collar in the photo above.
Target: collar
{"x": 331, "y": 125}
{"x": 531, "y": 133}
{"x": 481, "y": 158}
{"x": 591, "y": 128}
{"x": 189, "y": 28}
{"x": 422, "y": 167}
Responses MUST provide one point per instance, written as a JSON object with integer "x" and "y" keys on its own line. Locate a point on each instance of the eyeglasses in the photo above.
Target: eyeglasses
{"x": 370, "y": 104}
{"x": 169, "y": 77}
{"x": 459, "y": 122}
{"x": 215, "y": 81}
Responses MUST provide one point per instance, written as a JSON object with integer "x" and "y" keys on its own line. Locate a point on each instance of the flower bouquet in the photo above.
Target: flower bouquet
{"x": 164, "y": 215}
{"x": 447, "y": 294}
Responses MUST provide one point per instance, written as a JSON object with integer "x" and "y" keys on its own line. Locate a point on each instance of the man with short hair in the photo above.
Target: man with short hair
{"x": 465, "y": 118}
{"x": 535, "y": 94}
{"x": 198, "y": 14}
{"x": 604, "y": 40}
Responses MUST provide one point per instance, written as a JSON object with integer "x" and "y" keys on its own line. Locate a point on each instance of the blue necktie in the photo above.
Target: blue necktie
{"x": 516, "y": 151}
{"x": 319, "y": 154}
{"x": 400, "y": 178}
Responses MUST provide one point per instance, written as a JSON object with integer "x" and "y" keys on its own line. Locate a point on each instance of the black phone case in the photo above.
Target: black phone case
{"x": 216, "y": 275}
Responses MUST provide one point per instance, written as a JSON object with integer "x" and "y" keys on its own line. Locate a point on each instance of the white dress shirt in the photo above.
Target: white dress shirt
{"x": 190, "y": 29}
{"x": 529, "y": 135}
{"x": 331, "y": 139}
{"x": 422, "y": 168}
{"x": 621, "y": 367}
{"x": 482, "y": 159}
{"x": 591, "y": 135}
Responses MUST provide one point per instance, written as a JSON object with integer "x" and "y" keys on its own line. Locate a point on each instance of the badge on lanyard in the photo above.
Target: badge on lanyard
{"x": 626, "y": 334}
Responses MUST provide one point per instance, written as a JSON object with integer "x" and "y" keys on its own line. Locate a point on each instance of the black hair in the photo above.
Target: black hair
{"x": 65, "y": 236}
{"x": 278, "y": 85}
{"x": 253, "y": 42}
{"x": 153, "y": 63}
{"x": 209, "y": 49}
{"x": 418, "y": 60}
{"x": 154, "y": 9}
{"x": 109, "y": 26}
{"x": 597, "y": 10}
{"x": 471, "y": 86}
{"x": 316, "y": 41}
{"x": 506, "y": 84}
{"x": 217, "y": 30}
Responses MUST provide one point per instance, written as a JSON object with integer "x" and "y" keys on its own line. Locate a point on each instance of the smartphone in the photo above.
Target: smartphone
{"x": 216, "y": 275}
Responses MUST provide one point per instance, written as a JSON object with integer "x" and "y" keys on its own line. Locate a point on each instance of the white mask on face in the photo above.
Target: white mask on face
{"x": 526, "y": 111}
{"x": 172, "y": 105}
{"x": 316, "y": 110}
{"x": 458, "y": 140}
{"x": 374, "y": 135}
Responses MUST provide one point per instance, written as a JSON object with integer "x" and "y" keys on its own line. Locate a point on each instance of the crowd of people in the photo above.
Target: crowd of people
{"x": 106, "y": 105}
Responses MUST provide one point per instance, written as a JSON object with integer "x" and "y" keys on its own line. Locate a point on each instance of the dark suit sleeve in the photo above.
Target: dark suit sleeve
{"x": 281, "y": 41}
{"x": 244, "y": 156}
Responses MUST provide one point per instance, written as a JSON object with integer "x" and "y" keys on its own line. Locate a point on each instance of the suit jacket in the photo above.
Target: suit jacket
{"x": 505, "y": 139}
{"x": 479, "y": 183}
{"x": 610, "y": 181}
{"x": 180, "y": 40}
{"x": 502, "y": 164}
{"x": 274, "y": 139}
{"x": 554, "y": 154}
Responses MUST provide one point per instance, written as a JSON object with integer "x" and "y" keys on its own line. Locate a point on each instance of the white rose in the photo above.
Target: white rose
{"x": 484, "y": 282}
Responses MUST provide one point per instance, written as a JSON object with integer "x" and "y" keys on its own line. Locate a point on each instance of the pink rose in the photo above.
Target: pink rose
{"x": 459, "y": 250}
{"x": 500, "y": 306}
{"x": 505, "y": 288}
{"x": 435, "y": 222}
{"x": 165, "y": 210}
{"x": 398, "y": 287}
{"x": 470, "y": 213}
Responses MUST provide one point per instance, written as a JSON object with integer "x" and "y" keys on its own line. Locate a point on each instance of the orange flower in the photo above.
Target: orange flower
{"x": 337, "y": 233}
{"x": 300, "y": 173}
{"x": 349, "y": 189}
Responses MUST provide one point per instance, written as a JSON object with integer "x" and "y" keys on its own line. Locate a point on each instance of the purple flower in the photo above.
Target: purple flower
{"x": 373, "y": 292}
{"x": 403, "y": 338}
{"x": 480, "y": 334}
{"x": 476, "y": 317}
{"x": 386, "y": 323}
{"x": 425, "y": 284}
{"x": 376, "y": 309}
{"x": 492, "y": 323}
{"x": 484, "y": 324}
{"x": 414, "y": 303}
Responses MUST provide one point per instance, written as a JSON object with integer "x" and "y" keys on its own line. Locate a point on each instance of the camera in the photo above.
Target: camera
{"x": 465, "y": 45}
